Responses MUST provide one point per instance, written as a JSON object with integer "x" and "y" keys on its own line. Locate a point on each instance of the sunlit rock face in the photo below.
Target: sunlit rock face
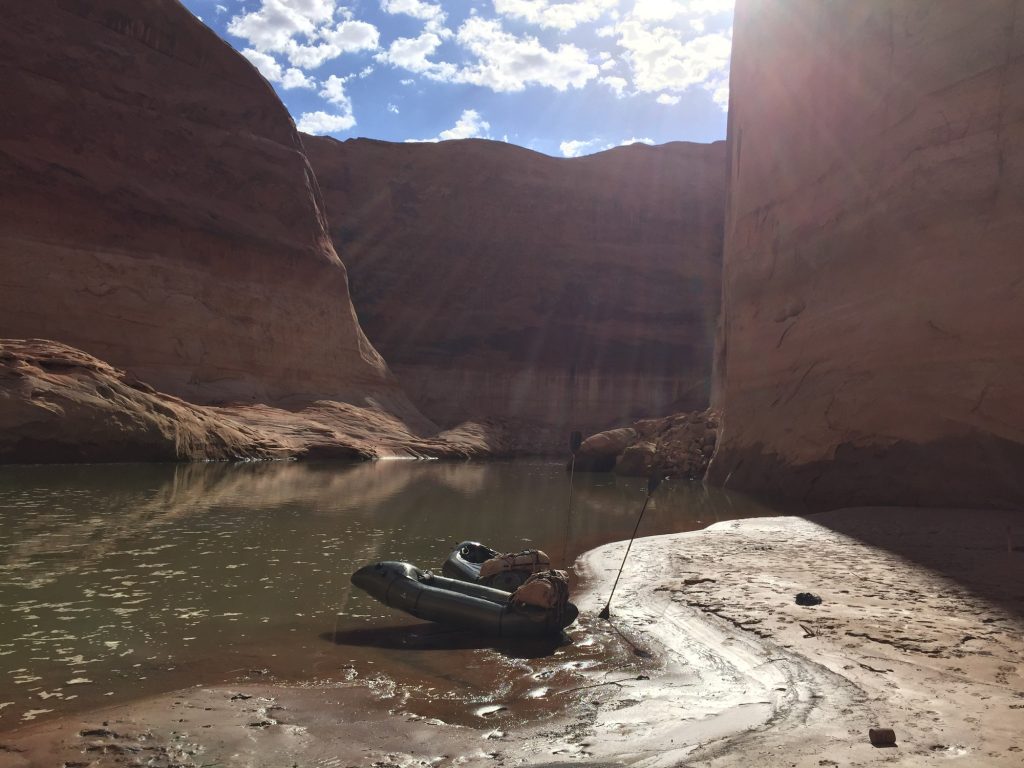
{"x": 157, "y": 211}
{"x": 58, "y": 404}
{"x": 872, "y": 335}
{"x": 501, "y": 283}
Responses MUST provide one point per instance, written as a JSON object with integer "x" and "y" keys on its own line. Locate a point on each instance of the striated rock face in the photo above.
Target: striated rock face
{"x": 60, "y": 404}
{"x": 501, "y": 283}
{"x": 157, "y": 211}
{"x": 872, "y": 334}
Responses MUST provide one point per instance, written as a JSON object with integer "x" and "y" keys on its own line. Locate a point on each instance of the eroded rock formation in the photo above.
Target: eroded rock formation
{"x": 555, "y": 294}
{"x": 157, "y": 211}
{"x": 872, "y": 305}
{"x": 680, "y": 445}
{"x": 60, "y": 404}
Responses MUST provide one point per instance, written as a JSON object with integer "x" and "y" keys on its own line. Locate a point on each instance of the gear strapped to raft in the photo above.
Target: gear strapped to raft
{"x": 527, "y": 561}
{"x": 546, "y": 590}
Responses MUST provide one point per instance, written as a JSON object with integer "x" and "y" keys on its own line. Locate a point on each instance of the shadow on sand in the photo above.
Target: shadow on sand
{"x": 978, "y": 549}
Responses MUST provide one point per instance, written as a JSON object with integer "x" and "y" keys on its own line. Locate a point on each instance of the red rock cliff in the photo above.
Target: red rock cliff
{"x": 872, "y": 345}
{"x": 501, "y": 283}
{"x": 158, "y": 212}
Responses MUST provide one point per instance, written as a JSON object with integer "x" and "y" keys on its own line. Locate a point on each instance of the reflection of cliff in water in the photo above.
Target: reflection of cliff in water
{"x": 74, "y": 515}
{"x": 184, "y": 571}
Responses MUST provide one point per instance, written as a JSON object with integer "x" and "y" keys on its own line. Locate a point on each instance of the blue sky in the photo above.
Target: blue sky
{"x": 563, "y": 78}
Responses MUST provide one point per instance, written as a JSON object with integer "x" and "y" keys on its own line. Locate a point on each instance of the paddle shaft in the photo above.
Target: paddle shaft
{"x": 568, "y": 516}
{"x": 575, "y": 440}
{"x": 606, "y": 611}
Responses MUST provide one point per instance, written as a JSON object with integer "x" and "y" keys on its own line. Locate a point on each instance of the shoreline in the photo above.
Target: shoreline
{"x": 726, "y": 670}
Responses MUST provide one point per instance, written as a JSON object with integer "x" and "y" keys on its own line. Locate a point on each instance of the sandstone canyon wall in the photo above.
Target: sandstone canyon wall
{"x": 157, "y": 211}
{"x": 872, "y": 339}
{"x": 503, "y": 284}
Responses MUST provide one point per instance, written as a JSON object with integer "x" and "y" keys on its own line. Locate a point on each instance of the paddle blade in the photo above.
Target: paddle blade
{"x": 605, "y": 613}
{"x": 653, "y": 483}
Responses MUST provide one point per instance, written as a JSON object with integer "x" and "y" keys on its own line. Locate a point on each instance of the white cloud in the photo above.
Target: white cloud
{"x": 221, "y": 9}
{"x": 334, "y": 92}
{"x": 470, "y": 125}
{"x": 719, "y": 92}
{"x": 661, "y": 61}
{"x": 617, "y": 84}
{"x": 407, "y": 81}
{"x": 667, "y": 99}
{"x": 330, "y": 122}
{"x": 563, "y": 16}
{"x": 415, "y": 8}
{"x": 265, "y": 63}
{"x": 663, "y": 10}
{"x": 270, "y": 27}
{"x": 275, "y": 73}
{"x": 607, "y": 61}
{"x": 352, "y": 36}
{"x": 296, "y": 78}
{"x": 393, "y": 109}
{"x": 319, "y": 123}
{"x": 509, "y": 63}
{"x": 503, "y": 62}
{"x": 576, "y": 147}
{"x": 579, "y": 147}
{"x": 304, "y": 31}
{"x": 412, "y": 53}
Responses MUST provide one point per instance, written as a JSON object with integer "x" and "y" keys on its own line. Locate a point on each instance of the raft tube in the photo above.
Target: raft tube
{"x": 459, "y": 603}
{"x": 465, "y": 561}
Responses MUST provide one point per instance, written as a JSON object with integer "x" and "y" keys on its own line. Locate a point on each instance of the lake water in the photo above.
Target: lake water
{"x": 123, "y": 580}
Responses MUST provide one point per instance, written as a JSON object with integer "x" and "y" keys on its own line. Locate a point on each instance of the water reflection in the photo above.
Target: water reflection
{"x": 120, "y": 580}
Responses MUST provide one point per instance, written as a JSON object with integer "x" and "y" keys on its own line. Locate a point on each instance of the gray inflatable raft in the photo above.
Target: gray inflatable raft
{"x": 459, "y": 603}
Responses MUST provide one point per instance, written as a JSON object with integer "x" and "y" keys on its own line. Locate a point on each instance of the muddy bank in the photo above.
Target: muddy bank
{"x": 707, "y": 661}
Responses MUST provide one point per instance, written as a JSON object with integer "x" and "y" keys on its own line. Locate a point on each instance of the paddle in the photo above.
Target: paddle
{"x": 652, "y": 486}
{"x": 575, "y": 441}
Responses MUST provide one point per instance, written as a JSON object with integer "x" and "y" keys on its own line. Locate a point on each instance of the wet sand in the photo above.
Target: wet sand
{"x": 707, "y": 661}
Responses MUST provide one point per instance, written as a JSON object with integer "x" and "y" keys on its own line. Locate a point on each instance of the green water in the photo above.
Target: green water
{"x": 118, "y": 581}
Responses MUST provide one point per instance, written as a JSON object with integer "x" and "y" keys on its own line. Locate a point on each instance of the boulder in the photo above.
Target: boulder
{"x": 637, "y": 460}
{"x": 680, "y": 446}
{"x": 599, "y": 452}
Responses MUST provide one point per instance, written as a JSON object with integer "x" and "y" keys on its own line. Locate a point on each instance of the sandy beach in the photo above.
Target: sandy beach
{"x": 707, "y": 661}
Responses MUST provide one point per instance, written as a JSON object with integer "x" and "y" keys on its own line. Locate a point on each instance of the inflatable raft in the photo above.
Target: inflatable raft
{"x": 477, "y": 563}
{"x": 459, "y": 603}
{"x": 465, "y": 560}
